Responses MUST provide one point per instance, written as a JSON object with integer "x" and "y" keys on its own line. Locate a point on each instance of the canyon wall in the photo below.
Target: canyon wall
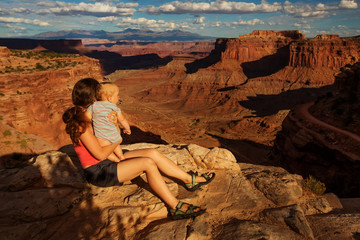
{"x": 163, "y": 49}
{"x": 61, "y": 45}
{"x": 325, "y": 142}
{"x": 324, "y": 51}
{"x": 246, "y": 86}
{"x": 35, "y": 91}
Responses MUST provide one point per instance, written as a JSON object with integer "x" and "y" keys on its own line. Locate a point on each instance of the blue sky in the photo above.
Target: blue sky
{"x": 216, "y": 18}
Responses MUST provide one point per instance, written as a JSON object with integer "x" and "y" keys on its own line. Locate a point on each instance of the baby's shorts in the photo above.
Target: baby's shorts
{"x": 103, "y": 174}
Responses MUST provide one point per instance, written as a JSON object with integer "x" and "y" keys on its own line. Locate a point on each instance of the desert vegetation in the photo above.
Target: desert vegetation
{"x": 37, "y": 61}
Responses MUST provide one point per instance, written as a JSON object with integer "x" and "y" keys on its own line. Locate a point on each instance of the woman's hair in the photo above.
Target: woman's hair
{"x": 83, "y": 95}
{"x": 76, "y": 122}
{"x": 84, "y": 92}
{"x": 104, "y": 90}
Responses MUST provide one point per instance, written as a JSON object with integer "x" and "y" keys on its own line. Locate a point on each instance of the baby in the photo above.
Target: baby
{"x": 107, "y": 132}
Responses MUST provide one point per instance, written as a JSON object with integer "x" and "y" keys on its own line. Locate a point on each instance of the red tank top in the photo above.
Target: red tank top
{"x": 86, "y": 159}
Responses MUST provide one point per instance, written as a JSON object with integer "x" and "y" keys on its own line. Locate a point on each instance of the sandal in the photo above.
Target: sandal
{"x": 195, "y": 185}
{"x": 177, "y": 214}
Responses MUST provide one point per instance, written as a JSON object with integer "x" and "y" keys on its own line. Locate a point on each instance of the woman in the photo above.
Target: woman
{"x": 102, "y": 172}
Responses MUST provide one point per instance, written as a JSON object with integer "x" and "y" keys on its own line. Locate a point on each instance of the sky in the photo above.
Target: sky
{"x": 215, "y": 18}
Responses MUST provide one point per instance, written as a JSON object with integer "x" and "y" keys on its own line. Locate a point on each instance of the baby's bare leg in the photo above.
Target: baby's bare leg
{"x": 112, "y": 156}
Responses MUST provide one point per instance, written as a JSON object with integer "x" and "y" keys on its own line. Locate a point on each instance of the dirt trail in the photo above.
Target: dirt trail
{"x": 304, "y": 111}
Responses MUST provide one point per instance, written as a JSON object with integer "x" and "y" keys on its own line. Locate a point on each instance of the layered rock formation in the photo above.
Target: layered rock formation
{"x": 327, "y": 146}
{"x": 47, "y": 198}
{"x": 242, "y": 90}
{"x": 163, "y": 49}
{"x": 324, "y": 51}
{"x": 36, "y": 89}
{"x": 61, "y": 45}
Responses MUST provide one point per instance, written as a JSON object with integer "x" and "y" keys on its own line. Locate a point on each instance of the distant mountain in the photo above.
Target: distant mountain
{"x": 127, "y": 34}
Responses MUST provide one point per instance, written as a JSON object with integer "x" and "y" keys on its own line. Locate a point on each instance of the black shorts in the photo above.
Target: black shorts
{"x": 103, "y": 174}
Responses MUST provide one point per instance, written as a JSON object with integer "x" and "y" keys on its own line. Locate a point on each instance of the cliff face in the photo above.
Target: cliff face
{"x": 325, "y": 142}
{"x": 46, "y": 196}
{"x": 330, "y": 52}
{"x": 62, "y": 45}
{"x": 163, "y": 49}
{"x": 277, "y": 55}
{"x": 36, "y": 90}
{"x": 246, "y": 85}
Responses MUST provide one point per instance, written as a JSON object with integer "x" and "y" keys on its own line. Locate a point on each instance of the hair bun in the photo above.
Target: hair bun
{"x": 69, "y": 115}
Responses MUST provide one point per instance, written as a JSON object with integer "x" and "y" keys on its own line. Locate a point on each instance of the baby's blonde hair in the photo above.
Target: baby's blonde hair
{"x": 105, "y": 90}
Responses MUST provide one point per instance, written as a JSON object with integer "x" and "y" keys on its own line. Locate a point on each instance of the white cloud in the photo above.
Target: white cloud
{"x": 108, "y": 19}
{"x": 199, "y": 20}
{"x": 150, "y": 24}
{"x": 219, "y": 7}
{"x": 323, "y": 32}
{"x": 46, "y": 4}
{"x": 341, "y": 27}
{"x": 237, "y": 23}
{"x": 89, "y": 23}
{"x": 305, "y": 10}
{"x": 250, "y": 22}
{"x": 97, "y": 9}
{"x": 348, "y": 4}
{"x": 23, "y": 20}
{"x": 302, "y": 26}
{"x": 127, "y": 5}
{"x": 14, "y": 28}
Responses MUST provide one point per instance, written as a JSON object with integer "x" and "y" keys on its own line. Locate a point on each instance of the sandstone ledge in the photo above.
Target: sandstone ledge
{"x": 49, "y": 199}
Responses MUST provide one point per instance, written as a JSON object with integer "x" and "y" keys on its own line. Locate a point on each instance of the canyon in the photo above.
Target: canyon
{"x": 246, "y": 102}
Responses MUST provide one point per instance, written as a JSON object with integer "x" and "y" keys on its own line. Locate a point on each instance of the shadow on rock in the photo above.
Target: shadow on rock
{"x": 111, "y": 61}
{"x": 46, "y": 197}
{"x": 246, "y": 151}
{"x": 15, "y": 160}
{"x": 138, "y": 136}
{"x": 267, "y": 65}
{"x": 266, "y": 105}
{"x": 193, "y": 67}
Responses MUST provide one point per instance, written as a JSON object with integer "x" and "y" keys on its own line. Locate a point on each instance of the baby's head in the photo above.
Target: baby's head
{"x": 107, "y": 91}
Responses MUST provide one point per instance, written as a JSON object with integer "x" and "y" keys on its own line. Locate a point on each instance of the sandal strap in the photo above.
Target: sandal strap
{"x": 189, "y": 210}
{"x": 179, "y": 205}
{"x": 207, "y": 178}
{"x": 193, "y": 182}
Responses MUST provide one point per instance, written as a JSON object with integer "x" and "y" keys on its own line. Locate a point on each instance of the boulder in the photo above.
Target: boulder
{"x": 48, "y": 198}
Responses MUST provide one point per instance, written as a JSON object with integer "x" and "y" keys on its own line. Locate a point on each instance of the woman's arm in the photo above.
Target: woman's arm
{"x": 92, "y": 145}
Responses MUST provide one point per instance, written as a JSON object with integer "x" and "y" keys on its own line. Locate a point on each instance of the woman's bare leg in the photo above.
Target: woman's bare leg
{"x": 131, "y": 168}
{"x": 164, "y": 164}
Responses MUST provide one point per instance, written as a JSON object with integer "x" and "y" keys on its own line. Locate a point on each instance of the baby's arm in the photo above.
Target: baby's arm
{"x": 119, "y": 153}
{"x": 112, "y": 156}
{"x": 124, "y": 123}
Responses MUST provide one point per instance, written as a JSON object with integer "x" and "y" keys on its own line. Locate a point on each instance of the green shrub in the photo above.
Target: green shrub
{"x": 7, "y": 133}
{"x": 1, "y": 94}
{"x": 23, "y": 143}
{"x": 39, "y": 67}
{"x": 314, "y": 185}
